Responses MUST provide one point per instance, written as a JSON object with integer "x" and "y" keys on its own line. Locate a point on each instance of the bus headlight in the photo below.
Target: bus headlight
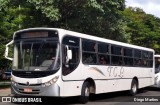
{"x": 52, "y": 81}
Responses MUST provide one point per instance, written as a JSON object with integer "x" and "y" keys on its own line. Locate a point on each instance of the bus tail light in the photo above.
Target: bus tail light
{"x": 52, "y": 81}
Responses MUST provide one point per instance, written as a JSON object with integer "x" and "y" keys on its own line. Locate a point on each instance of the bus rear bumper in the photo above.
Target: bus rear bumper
{"x": 52, "y": 90}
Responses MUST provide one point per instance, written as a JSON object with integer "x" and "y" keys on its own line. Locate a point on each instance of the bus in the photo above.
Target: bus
{"x": 157, "y": 71}
{"x": 62, "y": 63}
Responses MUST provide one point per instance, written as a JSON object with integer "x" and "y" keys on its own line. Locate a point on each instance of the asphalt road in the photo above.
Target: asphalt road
{"x": 146, "y": 96}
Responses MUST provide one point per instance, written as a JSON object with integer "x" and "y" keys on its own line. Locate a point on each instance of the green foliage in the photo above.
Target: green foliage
{"x": 143, "y": 28}
{"x": 95, "y": 17}
{"x": 48, "y": 7}
{"x": 3, "y": 4}
{"x": 100, "y": 18}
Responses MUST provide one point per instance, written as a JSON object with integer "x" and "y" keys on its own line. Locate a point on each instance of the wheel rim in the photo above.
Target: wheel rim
{"x": 134, "y": 88}
{"x": 87, "y": 92}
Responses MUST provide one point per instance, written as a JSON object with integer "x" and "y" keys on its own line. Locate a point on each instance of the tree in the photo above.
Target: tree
{"x": 95, "y": 17}
{"x": 143, "y": 28}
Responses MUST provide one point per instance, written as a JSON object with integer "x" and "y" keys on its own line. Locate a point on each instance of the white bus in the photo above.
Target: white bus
{"x": 157, "y": 71}
{"x": 61, "y": 63}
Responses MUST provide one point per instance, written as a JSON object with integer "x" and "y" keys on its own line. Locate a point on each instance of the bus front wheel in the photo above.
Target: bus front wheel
{"x": 134, "y": 87}
{"x": 85, "y": 92}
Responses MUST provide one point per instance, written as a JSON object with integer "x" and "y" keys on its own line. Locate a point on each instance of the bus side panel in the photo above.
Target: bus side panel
{"x": 112, "y": 85}
{"x": 144, "y": 82}
{"x": 71, "y": 88}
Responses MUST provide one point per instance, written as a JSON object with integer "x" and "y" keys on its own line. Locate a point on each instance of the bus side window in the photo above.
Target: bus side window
{"x": 116, "y": 55}
{"x": 137, "y": 57}
{"x": 89, "y": 58}
{"x": 128, "y": 56}
{"x": 102, "y": 60}
{"x": 89, "y": 48}
{"x": 103, "y": 53}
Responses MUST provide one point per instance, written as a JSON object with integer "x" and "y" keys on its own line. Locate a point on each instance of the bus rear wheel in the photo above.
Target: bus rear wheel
{"x": 134, "y": 88}
{"x": 85, "y": 92}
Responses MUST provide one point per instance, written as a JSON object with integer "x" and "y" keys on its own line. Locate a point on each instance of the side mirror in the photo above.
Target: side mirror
{"x": 7, "y": 51}
{"x": 68, "y": 54}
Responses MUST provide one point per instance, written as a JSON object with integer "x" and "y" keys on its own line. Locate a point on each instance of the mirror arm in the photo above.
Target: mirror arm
{"x": 7, "y": 51}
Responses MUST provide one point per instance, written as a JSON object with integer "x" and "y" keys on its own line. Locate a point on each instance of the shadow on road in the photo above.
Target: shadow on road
{"x": 152, "y": 89}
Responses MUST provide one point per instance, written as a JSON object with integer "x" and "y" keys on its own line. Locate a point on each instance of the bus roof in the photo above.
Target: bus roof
{"x": 81, "y": 35}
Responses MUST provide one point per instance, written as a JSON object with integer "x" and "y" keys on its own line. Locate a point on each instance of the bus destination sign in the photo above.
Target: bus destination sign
{"x": 34, "y": 35}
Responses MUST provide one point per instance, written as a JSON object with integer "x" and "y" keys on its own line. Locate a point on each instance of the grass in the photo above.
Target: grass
{"x": 5, "y": 86}
{"x": 4, "y": 80}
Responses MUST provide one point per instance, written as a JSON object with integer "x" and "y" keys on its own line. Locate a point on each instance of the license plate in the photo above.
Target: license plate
{"x": 27, "y": 90}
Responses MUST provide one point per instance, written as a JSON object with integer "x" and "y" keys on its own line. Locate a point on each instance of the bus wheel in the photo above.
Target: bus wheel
{"x": 84, "y": 98}
{"x": 134, "y": 88}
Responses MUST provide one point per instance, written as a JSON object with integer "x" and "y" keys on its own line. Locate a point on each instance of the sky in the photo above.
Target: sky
{"x": 149, "y": 6}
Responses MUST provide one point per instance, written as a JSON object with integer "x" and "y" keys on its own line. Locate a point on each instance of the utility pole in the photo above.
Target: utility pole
{"x": 19, "y": 8}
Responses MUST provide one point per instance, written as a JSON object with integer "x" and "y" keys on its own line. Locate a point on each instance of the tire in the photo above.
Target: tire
{"x": 85, "y": 92}
{"x": 134, "y": 88}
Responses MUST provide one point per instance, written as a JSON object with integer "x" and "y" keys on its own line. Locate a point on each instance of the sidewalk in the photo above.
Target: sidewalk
{"x": 5, "y": 88}
{"x": 5, "y": 92}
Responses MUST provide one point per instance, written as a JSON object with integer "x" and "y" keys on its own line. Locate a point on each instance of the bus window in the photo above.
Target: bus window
{"x": 103, "y": 48}
{"x": 145, "y": 57}
{"x": 103, "y": 54}
{"x": 89, "y": 55}
{"x": 89, "y": 45}
{"x": 103, "y": 59}
{"x": 89, "y": 58}
{"x": 137, "y": 58}
{"x": 128, "y": 57}
{"x": 117, "y": 55}
{"x": 150, "y": 61}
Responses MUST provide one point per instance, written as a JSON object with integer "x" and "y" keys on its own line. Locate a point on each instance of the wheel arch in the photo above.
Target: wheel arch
{"x": 92, "y": 85}
{"x": 135, "y": 78}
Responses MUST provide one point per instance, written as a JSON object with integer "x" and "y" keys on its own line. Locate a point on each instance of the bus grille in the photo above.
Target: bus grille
{"x": 32, "y": 74}
{"x": 29, "y": 84}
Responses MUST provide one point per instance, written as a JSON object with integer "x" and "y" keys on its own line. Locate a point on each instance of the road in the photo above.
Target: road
{"x": 116, "y": 98}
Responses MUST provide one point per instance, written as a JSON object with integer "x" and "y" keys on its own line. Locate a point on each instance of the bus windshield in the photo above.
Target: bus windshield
{"x": 37, "y": 55}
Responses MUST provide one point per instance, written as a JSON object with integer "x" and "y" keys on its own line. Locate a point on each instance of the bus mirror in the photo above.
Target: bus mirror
{"x": 68, "y": 54}
{"x": 7, "y": 51}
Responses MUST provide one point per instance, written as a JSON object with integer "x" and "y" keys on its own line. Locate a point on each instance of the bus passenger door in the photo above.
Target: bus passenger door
{"x": 70, "y": 55}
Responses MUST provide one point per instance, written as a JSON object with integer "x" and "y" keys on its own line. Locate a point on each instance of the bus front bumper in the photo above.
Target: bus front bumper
{"x": 35, "y": 90}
